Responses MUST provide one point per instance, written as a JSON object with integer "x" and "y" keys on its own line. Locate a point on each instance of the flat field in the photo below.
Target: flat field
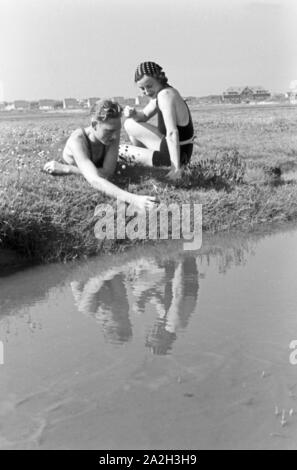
{"x": 46, "y": 218}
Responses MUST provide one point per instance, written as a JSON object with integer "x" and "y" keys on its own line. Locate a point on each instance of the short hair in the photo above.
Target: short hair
{"x": 151, "y": 69}
{"x": 105, "y": 109}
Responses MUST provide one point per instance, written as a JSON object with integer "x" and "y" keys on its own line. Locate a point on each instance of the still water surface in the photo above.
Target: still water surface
{"x": 155, "y": 349}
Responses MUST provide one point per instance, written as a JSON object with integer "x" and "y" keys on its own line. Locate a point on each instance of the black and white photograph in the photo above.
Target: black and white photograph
{"x": 148, "y": 227}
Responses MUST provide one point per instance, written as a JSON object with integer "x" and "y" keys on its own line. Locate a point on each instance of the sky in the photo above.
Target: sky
{"x": 82, "y": 48}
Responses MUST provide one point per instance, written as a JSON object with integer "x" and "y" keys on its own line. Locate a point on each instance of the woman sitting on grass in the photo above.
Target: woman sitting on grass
{"x": 169, "y": 144}
{"x": 93, "y": 152}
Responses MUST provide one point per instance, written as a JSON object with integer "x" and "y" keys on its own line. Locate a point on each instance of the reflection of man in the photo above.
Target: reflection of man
{"x": 176, "y": 306}
{"x": 145, "y": 281}
{"x": 105, "y": 299}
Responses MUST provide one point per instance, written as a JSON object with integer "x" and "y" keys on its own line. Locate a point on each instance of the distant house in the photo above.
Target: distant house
{"x": 46, "y": 105}
{"x": 245, "y": 94}
{"x": 70, "y": 103}
{"x": 34, "y": 105}
{"x": 21, "y": 105}
{"x": 292, "y": 93}
{"x": 129, "y": 102}
{"x": 92, "y": 101}
{"x": 260, "y": 93}
{"x": 9, "y": 106}
{"x": 2, "y": 106}
{"x": 83, "y": 103}
{"x": 118, "y": 99}
{"x": 203, "y": 100}
{"x": 58, "y": 104}
{"x": 191, "y": 99}
{"x": 141, "y": 100}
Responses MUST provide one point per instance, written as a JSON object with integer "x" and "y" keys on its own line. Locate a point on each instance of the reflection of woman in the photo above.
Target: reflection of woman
{"x": 171, "y": 142}
{"x": 175, "y": 309}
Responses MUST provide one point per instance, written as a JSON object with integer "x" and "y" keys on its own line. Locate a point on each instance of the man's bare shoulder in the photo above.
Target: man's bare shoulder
{"x": 77, "y": 134}
{"x": 76, "y": 137}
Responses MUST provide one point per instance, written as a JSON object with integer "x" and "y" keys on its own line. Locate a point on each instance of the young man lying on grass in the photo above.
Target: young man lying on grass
{"x": 93, "y": 153}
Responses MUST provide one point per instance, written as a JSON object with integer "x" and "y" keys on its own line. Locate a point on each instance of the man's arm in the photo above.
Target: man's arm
{"x": 87, "y": 168}
{"x": 92, "y": 175}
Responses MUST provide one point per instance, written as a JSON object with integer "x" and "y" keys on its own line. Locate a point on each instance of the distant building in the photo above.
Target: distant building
{"x": 279, "y": 97}
{"x": 21, "y": 105}
{"x": 9, "y": 106}
{"x": 209, "y": 99}
{"x": 91, "y": 101}
{"x": 191, "y": 99}
{"x": 2, "y": 106}
{"x": 245, "y": 94}
{"x": 46, "y": 105}
{"x": 292, "y": 93}
{"x": 118, "y": 99}
{"x": 141, "y": 100}
{"x": 129, "y": 102}
{"x": 34, "y": 105}
{"x": 70, "y": 103}
{"x": 58, "y": 104}
{"x": 124, "y": 101}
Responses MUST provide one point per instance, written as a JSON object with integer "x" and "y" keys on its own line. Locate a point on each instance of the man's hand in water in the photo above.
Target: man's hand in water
{"x": 55, "y": 168}
{"x": 142, "y": 203}
{"x": 175, "y": 174}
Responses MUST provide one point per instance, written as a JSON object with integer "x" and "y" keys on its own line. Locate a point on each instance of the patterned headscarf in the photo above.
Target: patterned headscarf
{"x": 149, "y": 68}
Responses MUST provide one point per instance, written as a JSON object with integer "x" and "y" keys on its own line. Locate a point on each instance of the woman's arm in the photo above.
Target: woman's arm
{"x": 166, "y": 101}
{"x": 145, "y": 114}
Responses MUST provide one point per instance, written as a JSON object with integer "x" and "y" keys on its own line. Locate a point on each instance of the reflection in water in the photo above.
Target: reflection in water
{"x": 231, "y": 357}
{"x": 171, "y": 287}
{"x": 226, "y": 257}
{"x": 105, "y": 299}
{"x": 168, "y": 286}
{"x": 175, "y": 306}
{"x": 165, "y": 285}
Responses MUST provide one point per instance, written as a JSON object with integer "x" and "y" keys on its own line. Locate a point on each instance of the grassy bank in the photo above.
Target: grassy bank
{"x": 46, "y": 218}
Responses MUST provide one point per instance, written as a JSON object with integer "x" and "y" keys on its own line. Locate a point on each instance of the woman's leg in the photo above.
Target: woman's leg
{"x": 146, "y": 134}
{"x": 135, "y": 154}
{"x": 146, "y": 139}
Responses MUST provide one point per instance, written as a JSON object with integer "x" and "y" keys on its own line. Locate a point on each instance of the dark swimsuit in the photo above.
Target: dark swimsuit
{"x": 97, "y": 162}
{"x": 162, "y": 157}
